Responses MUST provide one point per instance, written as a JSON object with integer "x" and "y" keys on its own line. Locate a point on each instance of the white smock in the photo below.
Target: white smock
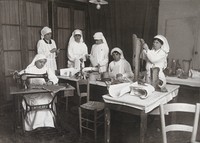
{"x": 157, "y": 58}
{"x": 99, "y": 53}
{"x": 43, "y": 47}
{"x": 120, "y": 67}
{"x": 76, "y": 51}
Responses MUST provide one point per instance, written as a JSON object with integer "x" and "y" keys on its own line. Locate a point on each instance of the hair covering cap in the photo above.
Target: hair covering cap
{"x": 98, "y": 36}
{"x": 75, "y": 32}
{"x": 36, "y": 58}
{"x": 45, "y": 31}
{"x": 117, "y": 50}
{"x": 165, "y": 47}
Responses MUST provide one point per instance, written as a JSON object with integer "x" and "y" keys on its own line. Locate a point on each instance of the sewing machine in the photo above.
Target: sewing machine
{"x": 23, "y": 79}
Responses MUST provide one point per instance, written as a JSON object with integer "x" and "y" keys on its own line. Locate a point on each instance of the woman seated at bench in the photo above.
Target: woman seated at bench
{"x": 119, "y": 67}
{"x": 39, "y": 118}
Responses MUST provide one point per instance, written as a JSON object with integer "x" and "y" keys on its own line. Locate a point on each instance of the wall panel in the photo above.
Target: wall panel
{"x": 20, "y": 24}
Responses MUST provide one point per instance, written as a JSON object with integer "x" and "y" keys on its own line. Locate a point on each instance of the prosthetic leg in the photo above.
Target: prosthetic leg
{"x": 157, "y": 82}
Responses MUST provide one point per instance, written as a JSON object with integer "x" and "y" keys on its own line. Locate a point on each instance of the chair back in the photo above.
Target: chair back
{"x": 179, "y": 107}
{"x": 83, "y": 88}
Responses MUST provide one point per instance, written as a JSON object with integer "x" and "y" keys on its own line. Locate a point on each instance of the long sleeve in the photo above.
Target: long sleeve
{"x": 85, "y": 52}
{"x": 70, "y": 54}
{"x": 155, "y": 57}
{"x": 93, "y": 59}
{"x": 104, "y": 61}
{"x": 52, "y": 77}
{"x": 127, "y": 70}
{"x": 77, "y": 51}
{"x": 41, "y": 49}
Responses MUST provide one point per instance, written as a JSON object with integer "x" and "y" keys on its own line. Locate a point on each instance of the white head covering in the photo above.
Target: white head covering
{"x": 75, "y": 32}
{"x": 36, "y": 58}
{"x": 44, "y": 31}
{"x": 99, "y": 36}
{"x": 119, "y": 51}
{"x": 165, "y": 46}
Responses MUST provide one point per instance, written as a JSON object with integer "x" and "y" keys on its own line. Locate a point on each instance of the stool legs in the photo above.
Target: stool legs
{"x": 95, "y": 124}
{"x": 80, "y": 120}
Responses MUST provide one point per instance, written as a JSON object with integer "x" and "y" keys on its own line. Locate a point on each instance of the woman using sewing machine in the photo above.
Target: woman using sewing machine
{"x": 157, "y": 56}
{"x": 119, "y": 67}
{"x": 39, "y": 118}
{"x": 77, "y": 50}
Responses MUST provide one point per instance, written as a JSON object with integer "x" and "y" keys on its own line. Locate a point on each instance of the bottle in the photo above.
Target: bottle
{"x": 178, "y": 65}
{"x": 173, "y": 66}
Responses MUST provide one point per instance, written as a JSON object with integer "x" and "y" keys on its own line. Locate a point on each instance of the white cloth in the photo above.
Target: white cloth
{"x": 45, "y": 48}
{"x": 99, "y": 53}
{"x": 157, "y": 58}
{"x": 45, "y": 31}
{"x": 119, "y": 90}
{"x": 147, "y": 105}
{"x": 119, "y": 51}
{"x": 38, "y": 118}
{"x": 122, "y": 66}
{"x": 76, "y": 50}
{"x": 165, "y": 47}
{"x": 42, "y": 118}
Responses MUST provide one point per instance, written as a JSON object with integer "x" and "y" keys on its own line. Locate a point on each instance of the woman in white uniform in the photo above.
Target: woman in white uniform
{"x": 77, "y": 50}
{"x": 119, "y": 66}
{"x": 47, "y": 47}
{"x": 157, "y": 56}
{"x": 99, "y": 52}
{"x": 39, "y": 118}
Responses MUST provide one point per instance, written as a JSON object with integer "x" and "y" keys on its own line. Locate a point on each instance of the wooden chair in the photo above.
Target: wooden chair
{"x": 82, "y": 89}
{"x": 180, "y": 107}
{"x": 90, "y": 113}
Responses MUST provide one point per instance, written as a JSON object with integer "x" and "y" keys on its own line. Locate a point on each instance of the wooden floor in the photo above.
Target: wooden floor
{"x": 124, "y": 127}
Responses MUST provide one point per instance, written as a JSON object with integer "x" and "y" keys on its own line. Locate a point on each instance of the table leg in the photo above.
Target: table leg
{"x": 66, "y": 106}
{"x": 107, "y": 125}
{"x": 199, "y": 95}
{"x": 143, "y": 126}
{"x": 17, "y": 112}
{"x": 173, "y": 114}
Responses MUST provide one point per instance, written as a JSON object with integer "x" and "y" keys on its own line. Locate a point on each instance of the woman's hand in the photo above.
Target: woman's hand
{"x": 87, "y": 56}
{"x": 142, "y": 41}
{"x": 119, "y": 77}
{"x": 58, "y": 51}
{"x": 49, "y": 83}
{"x": 144, "y": 45}
{"x": 53, "y": 50}
{"x": 81, "y": 59}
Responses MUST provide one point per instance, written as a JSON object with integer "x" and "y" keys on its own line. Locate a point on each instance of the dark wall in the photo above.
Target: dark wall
{"x": 120, "y": 19}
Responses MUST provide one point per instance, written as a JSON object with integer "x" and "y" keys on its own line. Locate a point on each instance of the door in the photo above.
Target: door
{"x": 183, "y": 37}
{"x": 20, "y": 23}
{"x": 65, "y": 18}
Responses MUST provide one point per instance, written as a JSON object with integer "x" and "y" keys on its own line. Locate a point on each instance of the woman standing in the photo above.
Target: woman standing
{"x": 77, "y": 50}
{"x": 99, "y": 52}
{"x": 157, "y": 56}
{"x": 47, "y": 47}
